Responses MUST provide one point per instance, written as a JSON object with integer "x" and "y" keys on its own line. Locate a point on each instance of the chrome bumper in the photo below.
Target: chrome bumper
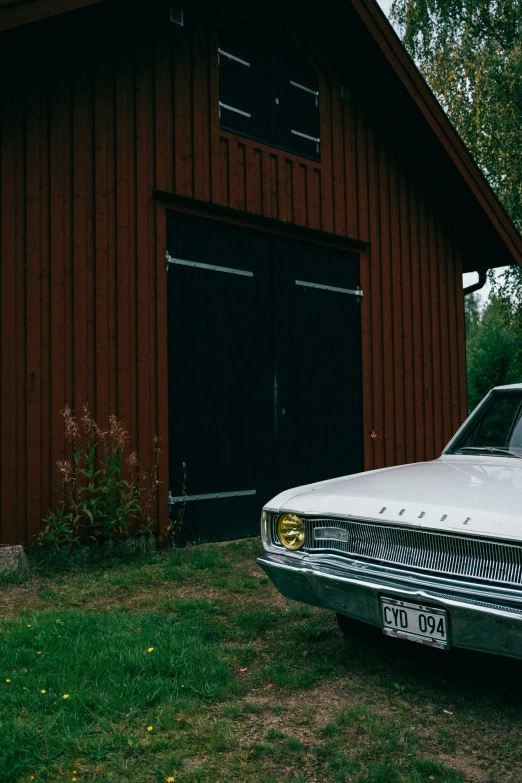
{"x": 475, "y": 623}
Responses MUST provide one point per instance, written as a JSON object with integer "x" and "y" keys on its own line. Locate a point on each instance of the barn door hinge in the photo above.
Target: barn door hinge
{"x": 210, "y": 496}
{"x": 209, "y": 267}
{"x": 357, "y": 292}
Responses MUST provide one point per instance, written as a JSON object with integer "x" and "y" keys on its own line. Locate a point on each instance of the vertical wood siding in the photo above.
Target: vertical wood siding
{"x": 98, "y": 108}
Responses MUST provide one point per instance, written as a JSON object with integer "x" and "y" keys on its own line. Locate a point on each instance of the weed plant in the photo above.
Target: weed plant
{"x": 103, "y": 493}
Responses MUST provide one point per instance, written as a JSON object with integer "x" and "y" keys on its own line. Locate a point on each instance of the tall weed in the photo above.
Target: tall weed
{"x": 103, "y": 493}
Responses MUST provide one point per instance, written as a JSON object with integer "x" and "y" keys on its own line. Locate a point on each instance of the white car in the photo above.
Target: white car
{"x": 430, "y": 552}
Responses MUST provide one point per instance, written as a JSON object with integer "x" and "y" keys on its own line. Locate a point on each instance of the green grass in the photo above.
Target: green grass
{"x": 236, "y": 683}
{"x": 119, "y": 678}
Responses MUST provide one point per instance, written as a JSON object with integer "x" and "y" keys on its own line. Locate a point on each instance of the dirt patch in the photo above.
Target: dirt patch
{"x": 192, "y": 764}
{"x": 18, "y": 597}
{"x": 469, "y": 766}
{"x": 324, "y": 701}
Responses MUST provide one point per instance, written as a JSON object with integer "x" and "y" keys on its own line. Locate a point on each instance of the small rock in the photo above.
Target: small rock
{"x": 13, "y": 560}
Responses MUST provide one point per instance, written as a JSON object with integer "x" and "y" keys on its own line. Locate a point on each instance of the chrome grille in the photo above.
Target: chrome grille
{"x": 438, "y": 553}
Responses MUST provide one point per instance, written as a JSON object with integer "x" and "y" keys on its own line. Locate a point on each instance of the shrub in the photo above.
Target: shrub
{"x": 103, "y": 494}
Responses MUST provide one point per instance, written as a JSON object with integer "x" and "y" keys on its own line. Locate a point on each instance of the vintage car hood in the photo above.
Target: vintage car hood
{"x": 473, "y": 495}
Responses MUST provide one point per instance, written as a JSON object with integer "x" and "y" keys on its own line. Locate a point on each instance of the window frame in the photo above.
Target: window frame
{"x": 274, "y": 138}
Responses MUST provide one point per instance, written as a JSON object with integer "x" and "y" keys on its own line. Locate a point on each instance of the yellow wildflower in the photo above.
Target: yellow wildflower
{"x": 149, "y": 728}
{"x": 65, "y": 696}
{"x": 170, "y": 779}
{"x": 74, "y": 780}
{"x": 150, "y": 649}
{"x": 43, "y": 691}
{"x": 8, "y": 680}
{"x": 39, "y": 652}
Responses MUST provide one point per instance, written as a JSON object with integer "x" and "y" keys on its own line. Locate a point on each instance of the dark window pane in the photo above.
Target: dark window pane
{"x": 300, "y": 129}
{"x": 495, "y": 425}
{"x": 243, "y": 79}
{"x": 296, "y": 89}
{"x": 236, "y": 104}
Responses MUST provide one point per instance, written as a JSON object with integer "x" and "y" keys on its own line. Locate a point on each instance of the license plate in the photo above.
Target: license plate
{"x": 415, "y": 622}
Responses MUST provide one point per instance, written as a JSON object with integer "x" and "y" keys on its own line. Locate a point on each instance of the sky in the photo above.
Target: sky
{"x": 470, "y": 277}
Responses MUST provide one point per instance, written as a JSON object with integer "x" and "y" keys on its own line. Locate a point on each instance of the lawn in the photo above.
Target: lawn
{"x": 188, "y": 665}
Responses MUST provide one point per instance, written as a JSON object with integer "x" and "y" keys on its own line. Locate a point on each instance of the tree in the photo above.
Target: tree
{"x": 493, "y": 353}
{"x": 471, "y": 314}
{"x": 470, "y": 53}
{"x": 508, "y": 291}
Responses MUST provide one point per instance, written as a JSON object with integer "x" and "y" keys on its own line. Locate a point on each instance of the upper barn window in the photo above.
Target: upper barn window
{"x": 267, "y": 88}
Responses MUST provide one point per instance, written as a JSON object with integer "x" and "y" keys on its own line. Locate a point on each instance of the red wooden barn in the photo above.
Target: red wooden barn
{"x": 241, "y": 226}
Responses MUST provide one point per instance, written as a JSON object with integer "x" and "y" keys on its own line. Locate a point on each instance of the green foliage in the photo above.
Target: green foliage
{"x": 470, "y": 53}
{"x": 101, "y": 492}
{"x": 507, "y": 288}
{"x": 471, "y": 314}
{"x": 493, "y": 352}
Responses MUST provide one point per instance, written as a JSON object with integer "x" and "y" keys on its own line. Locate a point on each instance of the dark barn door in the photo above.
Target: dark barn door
{"x": 220, "y": 367}
{"x": 317, "y": 364}
{"x": 264, "y": 371}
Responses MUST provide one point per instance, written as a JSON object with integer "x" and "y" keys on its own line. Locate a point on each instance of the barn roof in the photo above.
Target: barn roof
{"x": 14, "y": 13}
{"x": 395, "y": 53}
{"x": 493, "y": 241}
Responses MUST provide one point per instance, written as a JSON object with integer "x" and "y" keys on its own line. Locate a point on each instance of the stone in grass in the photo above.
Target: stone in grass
{"x": 13, "y": 561}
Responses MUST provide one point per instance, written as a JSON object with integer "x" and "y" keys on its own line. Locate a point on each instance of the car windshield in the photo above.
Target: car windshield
{"x": 496, "y": 428}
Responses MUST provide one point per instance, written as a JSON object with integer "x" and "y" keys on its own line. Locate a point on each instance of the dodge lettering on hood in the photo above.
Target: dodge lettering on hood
{"x": 429, "y": 552}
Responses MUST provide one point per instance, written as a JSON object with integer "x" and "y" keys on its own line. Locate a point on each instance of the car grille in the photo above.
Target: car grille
{"x": 439, "y": 553}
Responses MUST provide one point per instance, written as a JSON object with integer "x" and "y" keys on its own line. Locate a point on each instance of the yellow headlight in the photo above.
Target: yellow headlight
{"x": 291, "y": 531}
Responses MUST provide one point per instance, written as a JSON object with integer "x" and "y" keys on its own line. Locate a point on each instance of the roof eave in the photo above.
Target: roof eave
{"x": 15, "y": 13}
{"x": 399, "y": 59}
